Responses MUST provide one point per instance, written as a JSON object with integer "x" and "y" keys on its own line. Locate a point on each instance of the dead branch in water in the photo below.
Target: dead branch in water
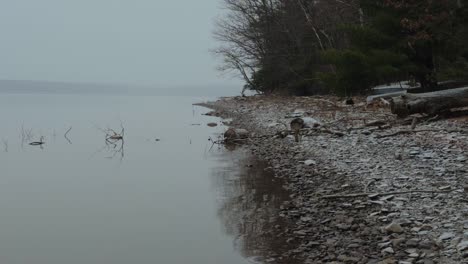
{"x": 66, "y": 135}
{"x": 26, "y": 135}
{"x": 228, "y": 141}
{"x": 111, "y": 136}
{"x": 5, "y": 145}
{"x": 115, "y": 142}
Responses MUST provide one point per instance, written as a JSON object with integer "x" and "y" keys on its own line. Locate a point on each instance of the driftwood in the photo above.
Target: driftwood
{"x": 356, "y": 195}
{"x": 378, "y": 98}
{"x": 421, "y": 130}
{"x": 429, "y": 103}
{"x": 377, "y": 123}
{"x": 328, "y": 131}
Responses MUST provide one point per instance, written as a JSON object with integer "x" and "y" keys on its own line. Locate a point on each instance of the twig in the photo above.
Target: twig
{"x": 324, "y": 130}
{"x": 114, "y": 141}
{"x": 5, "y": 145}
{"x": 414, "y": 123}
{"x": 421, "y": 130}
{"x": 368, "y": 184}
{"x": 432, "y": 119}
{"x": 355, "y": 195}
{"x": 66, "y": 134}
{"x": 324, "y": 101}
{"x": 26, "y": 135}
{"x": 377, "y": 123}
{"x": 100, "y": 129}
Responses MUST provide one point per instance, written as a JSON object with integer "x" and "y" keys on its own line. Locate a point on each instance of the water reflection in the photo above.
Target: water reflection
{"x": 249, "y": 202}
{"x": 152, "y": 203}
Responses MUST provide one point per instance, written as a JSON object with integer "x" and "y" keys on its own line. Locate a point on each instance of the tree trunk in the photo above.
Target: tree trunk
{"x": 429, "y": 103}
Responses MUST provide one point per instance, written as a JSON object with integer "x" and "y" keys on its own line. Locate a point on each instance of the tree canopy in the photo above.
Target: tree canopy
{"x": 342, "y": 46}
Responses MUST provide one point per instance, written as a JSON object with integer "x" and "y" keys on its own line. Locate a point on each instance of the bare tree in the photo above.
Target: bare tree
{"x": 276, "y": 44}
{"x": 241, "y": 34}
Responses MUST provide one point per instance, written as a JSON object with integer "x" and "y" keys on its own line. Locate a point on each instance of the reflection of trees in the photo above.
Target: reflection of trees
{"x": 250, "y": 198}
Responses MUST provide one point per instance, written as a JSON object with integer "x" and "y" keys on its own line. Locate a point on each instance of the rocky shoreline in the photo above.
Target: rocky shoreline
{"x": 379, "y": 193}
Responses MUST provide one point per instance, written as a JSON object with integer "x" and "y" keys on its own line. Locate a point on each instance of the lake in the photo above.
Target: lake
{"x": 163, "y": 194}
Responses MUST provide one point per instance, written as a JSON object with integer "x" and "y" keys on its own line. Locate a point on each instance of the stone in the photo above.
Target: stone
{"x": 384, "y": 245}
{"x": 394, "y": 228}
{"x": 348, "y": 259}
{"x": 446, "y": 236}
{"x": 426, "y": 227}
{"x": 397, "y": 242}
{"x": 414, "y": 242}
{"x": 426, "y": 244}
{"x": 312, "y": 244}
{"x": 443, "y": 188}
{"x": 387, "y": 251}
{"x": 311, "y": 122}
{"x": 343, "y": 166}
{"x": 300, "y": 233}
{"x": 387, "y": 261}
{"x": 463, "y": 245}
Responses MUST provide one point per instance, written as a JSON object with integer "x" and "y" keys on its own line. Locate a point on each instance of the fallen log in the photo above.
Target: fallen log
{"x": 375, "y": 98}
{"x": 429, "y": 103}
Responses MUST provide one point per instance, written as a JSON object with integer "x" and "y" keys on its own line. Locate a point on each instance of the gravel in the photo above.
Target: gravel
{"x": 419, "y": 227}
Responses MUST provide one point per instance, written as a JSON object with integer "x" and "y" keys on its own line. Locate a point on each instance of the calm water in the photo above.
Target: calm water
{"x": 80, "y": 200}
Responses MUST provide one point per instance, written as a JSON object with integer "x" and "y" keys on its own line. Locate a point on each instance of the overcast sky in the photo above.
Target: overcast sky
{"x": 151, "y": 42}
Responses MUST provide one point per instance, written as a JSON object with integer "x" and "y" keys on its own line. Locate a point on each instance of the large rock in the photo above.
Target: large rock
{"x": 394, "y": 228}
{"x": 235, "y": 134}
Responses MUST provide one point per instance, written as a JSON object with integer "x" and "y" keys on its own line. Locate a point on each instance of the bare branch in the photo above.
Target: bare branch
{"x": 66, "y": 135}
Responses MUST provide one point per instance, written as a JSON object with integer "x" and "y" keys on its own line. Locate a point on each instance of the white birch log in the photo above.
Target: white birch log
{"x": 429, "y": 103}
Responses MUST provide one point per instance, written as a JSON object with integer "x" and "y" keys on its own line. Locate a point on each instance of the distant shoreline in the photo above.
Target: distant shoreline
{"x": 45, "y": 87}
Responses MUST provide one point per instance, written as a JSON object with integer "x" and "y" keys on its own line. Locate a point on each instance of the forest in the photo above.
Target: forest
{"x": 342, "y": 47}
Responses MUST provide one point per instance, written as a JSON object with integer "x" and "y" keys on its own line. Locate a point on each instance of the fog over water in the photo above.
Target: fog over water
{"x": 80, "y": 198}
{"x": 161, "y": 43}
{"x": 75, "y": 73}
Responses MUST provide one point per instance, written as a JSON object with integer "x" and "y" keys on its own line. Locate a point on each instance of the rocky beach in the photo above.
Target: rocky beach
{"x": 366, "y": 187}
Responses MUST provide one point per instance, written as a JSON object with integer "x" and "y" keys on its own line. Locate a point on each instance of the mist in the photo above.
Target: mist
{"x": 142, "y": 42}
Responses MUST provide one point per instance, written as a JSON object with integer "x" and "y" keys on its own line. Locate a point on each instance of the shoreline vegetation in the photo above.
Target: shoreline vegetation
{"x": 382, "y": 190}
{"x": 377, "y": 180}
{"x": 306, "y": 47}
